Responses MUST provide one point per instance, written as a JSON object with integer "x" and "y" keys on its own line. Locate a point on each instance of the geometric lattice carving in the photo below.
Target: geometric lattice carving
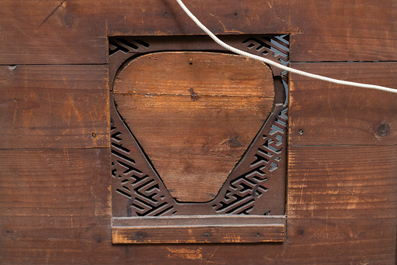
{"x": 123, "y": 45}
{"x": 257, "y": 183}
{"x": 143, "y": 191}
{"x": 277, "y": 46}
{"x": 240, "y": 196}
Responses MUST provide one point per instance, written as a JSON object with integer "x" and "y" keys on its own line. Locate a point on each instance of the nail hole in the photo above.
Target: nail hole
{"x": 207, "y": 235}
{"x": 383, "y": 130}
{"x": 190, "y": 63}
{"x": 235, "y": 14}
{"x": 301, "y": 132}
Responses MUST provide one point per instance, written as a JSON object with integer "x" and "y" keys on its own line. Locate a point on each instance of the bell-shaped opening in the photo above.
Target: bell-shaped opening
{"x": 194, "y": 114}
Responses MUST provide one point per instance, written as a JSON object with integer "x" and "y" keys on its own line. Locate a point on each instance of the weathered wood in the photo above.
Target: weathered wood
{"x": 60, "y": 32}
{"x": 68, "y": 219}
{"x": 55, "y": 204}
{"x": 198, "y": 229}
{"x": 194, "y": 114}
{"x": 50, "y": 32}
{"x": 203, "y": 220}
{"x": 53, "y": 106}
{"x": 337, "y": 198}
{"x": 198, "y": 234}
{"x": 327, "y": 114}
{"x": 49, "y": 202}
{"x": 323, "y": 30}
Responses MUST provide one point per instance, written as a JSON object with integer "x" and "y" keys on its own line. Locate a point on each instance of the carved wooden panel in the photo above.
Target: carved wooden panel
{"x": 158, "y": 94}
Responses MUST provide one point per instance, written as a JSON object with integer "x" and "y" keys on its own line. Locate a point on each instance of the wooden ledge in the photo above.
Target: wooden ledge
{"x": 198, "y": 229}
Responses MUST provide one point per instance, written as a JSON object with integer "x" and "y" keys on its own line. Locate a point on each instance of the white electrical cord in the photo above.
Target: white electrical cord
{"x": 292, "y": 70}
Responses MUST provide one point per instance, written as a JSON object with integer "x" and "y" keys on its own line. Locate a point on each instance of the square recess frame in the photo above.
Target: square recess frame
{"x": 217, "y": 227}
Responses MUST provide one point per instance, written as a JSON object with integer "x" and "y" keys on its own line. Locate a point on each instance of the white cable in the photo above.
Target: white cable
{"x": 292, "y": 70}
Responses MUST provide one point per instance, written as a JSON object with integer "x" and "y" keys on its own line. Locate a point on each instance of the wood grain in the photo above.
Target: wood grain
{"x": 336, "y": 197}
{"x": 204, "y": 220}
{"x": 49, "y": 202}
{"x": 198, "y": 234}
{"x": 50, "y": 32}
{"x": 53, "y": 106}
{"x": 330, "y": 114}
{"x": 194, "y": 114}
{"x": 64, "y": 32}
{"x": 198, "y": 229}
{"x": 55, "y": 204}
{"x": 51, "y": 219}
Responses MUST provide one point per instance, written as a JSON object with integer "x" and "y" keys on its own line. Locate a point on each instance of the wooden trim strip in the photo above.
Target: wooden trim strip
{"x": 202, "y": 229}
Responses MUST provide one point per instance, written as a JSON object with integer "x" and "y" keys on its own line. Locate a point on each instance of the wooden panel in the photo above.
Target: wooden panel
{"x": 194, "y": 114}
{"x": 54, "y": 203}
{"x": 50, "y": 32}
{"x": 330, "y": 114}
{"x": 322, "y": 30}
{"x": 208, "y": 74}
{"x": 198, "y": 229}
{"x": 341, "y": 205}
{"x": 75, "y": 32}
{"x": 199, "y": 234}
{"x": 341, "y": 30}
{"x": 192, "y": 220}
{"x": 53, "y": 106}
{"x": 57, "y": 212}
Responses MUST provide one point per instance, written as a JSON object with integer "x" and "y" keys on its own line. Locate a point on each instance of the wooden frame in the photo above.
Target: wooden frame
{"x": 264, "y": 160}
{"x": 55, "y": 189}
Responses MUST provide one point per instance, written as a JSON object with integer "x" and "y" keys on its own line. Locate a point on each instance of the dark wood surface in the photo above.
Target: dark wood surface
{"x": 241, "y": 233}
{"x": 199, "y": 229}
{"x": 54, "y": 106}
{"x": 194, "y": 114}
{"x": 330, "y": 114}
{"x": 60, "y": 32}
{"x": 55, "y": 205}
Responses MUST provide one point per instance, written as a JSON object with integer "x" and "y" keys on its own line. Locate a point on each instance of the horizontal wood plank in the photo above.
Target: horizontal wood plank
{"x": 208, "y": 74}
{"x": 49, "y": 202}
{"x": 56, "y": 209}
{"x": 321, "y": 30}
{"x": 50, "y": 32}
{"x": 60, "y": 32}
{"x": 336, "y": 197}
{"x": 328, "y": 114}
{"x": 341, "y": 180}
{"x": 198, "y": 220}
{"x": 198, "y": 234}
{"x": 54, "y": 107}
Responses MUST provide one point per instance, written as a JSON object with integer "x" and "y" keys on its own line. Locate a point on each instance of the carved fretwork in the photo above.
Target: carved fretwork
{"x": 243, "y": 190}
{"x": 125, "y": 46}
{"x": 257, "y": 183}
{"x": 146, "y": 195}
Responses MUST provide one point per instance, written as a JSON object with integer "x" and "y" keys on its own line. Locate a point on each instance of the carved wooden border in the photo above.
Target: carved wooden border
{"x": 139, "y": 196}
